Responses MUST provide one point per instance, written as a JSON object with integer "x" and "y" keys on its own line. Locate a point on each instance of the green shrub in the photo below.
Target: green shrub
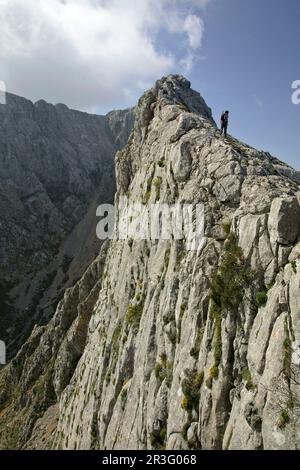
{"x": 134, "y": 315}
{"x": 164, "y": 370}
{"x": 261, "y": 298}
{"x": 158, "y": 438}
{"x": 233, "y": 277}
{"x": 108, "y": 376}
{"x": 294, "y": 266}
{"x": 164, "y": 358}
{"x": 284, "y": 419}
{"x": 227, "y": 228}
{"x": 184, "y": 403}
{"x": 148, "y": 190}
{"x": 214, "y": 372}
{"x": 191, "y": 386}
{"x": 246, "y": 374}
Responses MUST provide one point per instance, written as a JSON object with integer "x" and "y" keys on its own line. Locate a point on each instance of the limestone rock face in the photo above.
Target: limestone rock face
{"x": 56, "y": 166}
{"x": 284, "y": 220}
{"x": 160, "y": 346}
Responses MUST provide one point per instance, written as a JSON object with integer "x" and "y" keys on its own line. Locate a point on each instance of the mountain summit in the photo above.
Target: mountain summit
{"x": 158, "y": 346}
{"x": 172, "y": 90}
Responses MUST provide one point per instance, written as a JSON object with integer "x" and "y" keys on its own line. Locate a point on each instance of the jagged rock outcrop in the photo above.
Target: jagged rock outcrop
{"x": 179, "y": 348}
{"x": 56, "y": 165}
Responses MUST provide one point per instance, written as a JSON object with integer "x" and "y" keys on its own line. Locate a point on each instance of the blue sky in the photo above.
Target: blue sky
{"x": 251, "y": 57}
{"x": 98, "y": 55}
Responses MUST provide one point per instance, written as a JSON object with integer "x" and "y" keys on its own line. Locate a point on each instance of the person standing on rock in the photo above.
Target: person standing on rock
{"x": 224, "y": 123}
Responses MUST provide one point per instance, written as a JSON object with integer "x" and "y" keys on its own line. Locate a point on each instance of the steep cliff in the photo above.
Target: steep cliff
{"x": 56, "y": 166}
{"x": 160, "y": 346}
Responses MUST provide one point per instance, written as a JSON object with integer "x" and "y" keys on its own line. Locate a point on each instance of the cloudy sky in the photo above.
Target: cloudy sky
{"x": 96, "y": 55}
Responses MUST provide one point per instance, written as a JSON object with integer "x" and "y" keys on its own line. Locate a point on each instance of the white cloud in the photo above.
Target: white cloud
{"x": 93, "y": 54}
{"x": 194, "y": 27}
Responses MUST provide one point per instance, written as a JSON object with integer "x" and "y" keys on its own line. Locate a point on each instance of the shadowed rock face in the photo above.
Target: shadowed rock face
{"x": 56, "y": 166}
{"x": 161, "y": 347}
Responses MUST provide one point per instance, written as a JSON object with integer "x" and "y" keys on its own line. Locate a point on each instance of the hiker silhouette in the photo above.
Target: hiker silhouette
{"x": 224, "y": 123}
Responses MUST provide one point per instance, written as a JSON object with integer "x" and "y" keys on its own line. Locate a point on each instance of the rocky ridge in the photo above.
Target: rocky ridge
{"x": 160, "y": 347}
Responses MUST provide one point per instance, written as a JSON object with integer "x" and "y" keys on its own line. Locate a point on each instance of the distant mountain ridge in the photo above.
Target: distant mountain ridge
{"x": 54, "y": 163}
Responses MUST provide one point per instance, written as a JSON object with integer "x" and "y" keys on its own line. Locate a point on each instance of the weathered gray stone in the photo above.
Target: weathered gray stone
{"x": 136, "y": 357}
{"x": 182, "y": 162}
{"x": 284, "y": 221}
{"x": 228, "y": 189}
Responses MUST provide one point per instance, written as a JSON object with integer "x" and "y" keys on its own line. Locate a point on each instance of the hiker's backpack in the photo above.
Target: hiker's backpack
{"x": 224, "y": 118}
